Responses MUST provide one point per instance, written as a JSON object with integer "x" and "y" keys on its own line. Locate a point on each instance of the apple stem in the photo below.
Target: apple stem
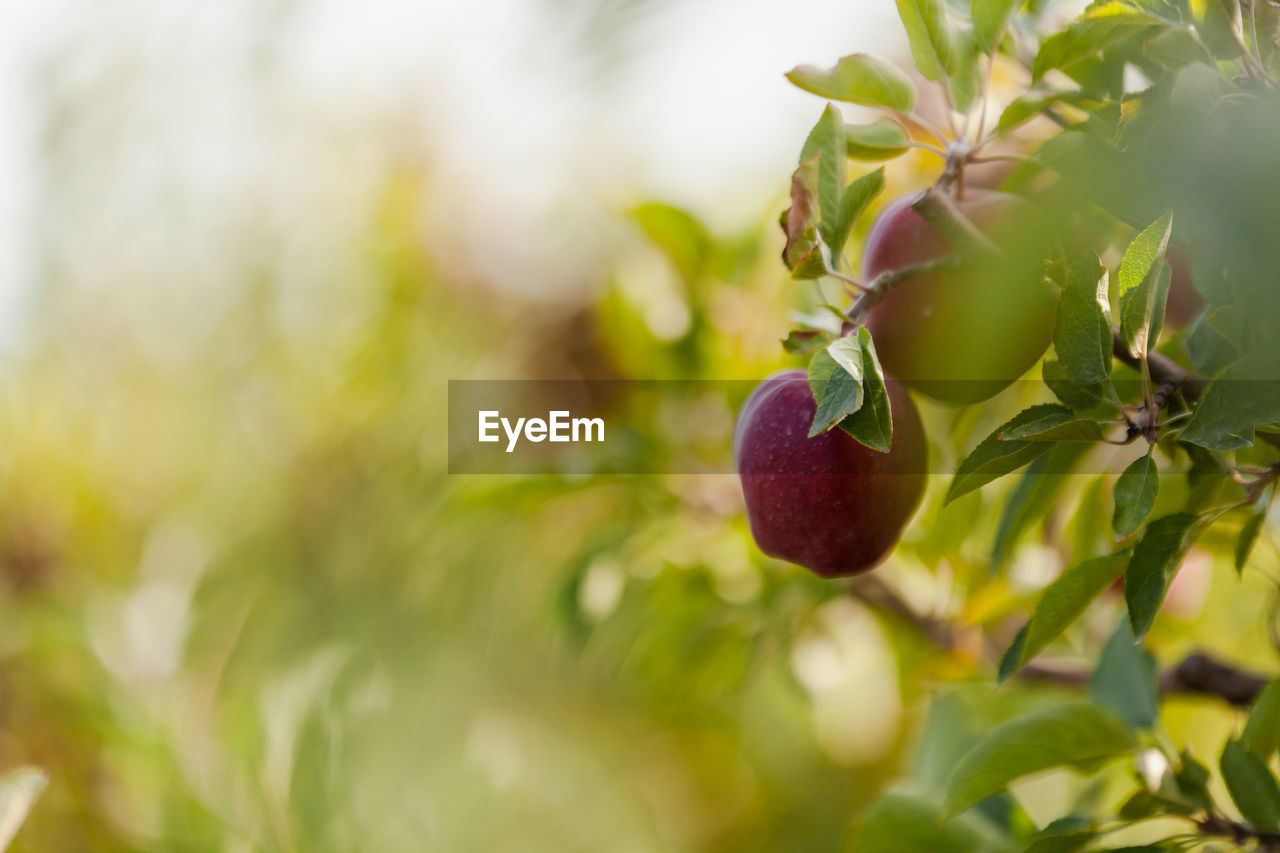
{"x": 886, "y": 281}
{"x": 1012, "y": 158}
{"x": 925, "y": 146}
{"x": 852, "y": 282}
{"x": 923, "y": 123}
{"x": 957, "y": 154}
{"x": 984, "y": 101}
{"x": 951, "y": 106}
{"x": 942, "y": 212}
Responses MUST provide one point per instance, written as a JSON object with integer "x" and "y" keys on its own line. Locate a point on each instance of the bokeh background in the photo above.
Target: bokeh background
{"x": 243, "y": 247}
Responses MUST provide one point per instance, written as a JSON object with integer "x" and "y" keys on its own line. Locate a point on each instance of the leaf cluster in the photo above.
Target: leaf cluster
{"x": 1117, "y": 162}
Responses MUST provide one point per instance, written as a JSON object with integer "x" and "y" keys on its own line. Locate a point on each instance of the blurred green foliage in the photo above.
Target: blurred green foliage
{"x": 247, "y": 608}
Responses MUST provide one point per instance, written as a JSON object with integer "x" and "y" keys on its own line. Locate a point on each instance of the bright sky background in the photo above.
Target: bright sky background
{"x": 533, "y": 127}
{"x": 28, "y": 31}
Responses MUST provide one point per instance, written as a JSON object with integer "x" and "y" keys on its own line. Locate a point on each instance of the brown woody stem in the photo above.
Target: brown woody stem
{"x": 1240, "y": 833}
{"x": 1198, "y": 674}
{"x": 1164, "y": 370}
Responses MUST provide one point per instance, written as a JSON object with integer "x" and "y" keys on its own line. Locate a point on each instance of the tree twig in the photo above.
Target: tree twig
{"x": 1240, "y": 833}
{"x": 1205, "y": 675}
{"x": 1173, "y": 377}
{"x": 1164, "y": 370}
{"x": 1198, "y": 674}
{"x": 873, "y": 591}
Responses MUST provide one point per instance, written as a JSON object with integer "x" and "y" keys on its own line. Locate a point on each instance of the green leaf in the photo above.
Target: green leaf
{"x": 1249, "y": 535}
{"x": 1064, "y": 835}
{"x": 1035, "y": 420}
{"x": 1054, "y": 423}
{"x": 854, "y": 201}
{"x": 964, "y": 77}
{"x": 1144, "y": 804}
{"x": 1035, "y": 493}
{"x": 1140, "y": 271}
{"x": 930, "y": 35}
{"x": 1155, "y": 561}
{"x": 1075, "y": 430}
{"x": 1014, "y": 656}
{"x": 858, "y": 79}
{"x": 1088, "y": 37}
{"x": 819, "y": 321}
{"x": 1262, "y": 731}
{"x": 1065, "y": 734}
{"x": 1026, "y": 107}
{"x": 811, "y": 264}
{"x": 1192, "y": 782}
{"x": 1233, "y": 404}
{"x": 994, "y": 457}
{"x": 1125, "y": 679}
{"x": 1252, "y": 786}
{"x": 1158, "y": 298}
{"x": 1022, "y": 109}
{"x": 1135, "y": 495}
{"x": 901, "y": 823}
{"x": 826, "y": 143}
{"x": 1221, "y": 26}
{"x": 1215, "y": 341}
{"x": 19, "y": 791}
{"x": 1198, "y": 87}
{"x": 799, "y": 222}
{"x": 1128, "y": 11}
{"x": 1210, "y": 481}
{"x": 1077, "y": 395}
{"x": 1089, "y": 529}
{"x": 872, "y": 423}
{"x": 950, "y": 728}
{"x": 682, "y": 238}
{"x": 1175, "y": 48}
{"x": 799, "y": 342}
{"x": 1062, "y": 602}
{"x": 883, "y": 139}
{"x": 1169, "y": 11}
{"x": 835, "y": 378}
{"x": 1082, "y": 334}
{"x": 990, "y": 17}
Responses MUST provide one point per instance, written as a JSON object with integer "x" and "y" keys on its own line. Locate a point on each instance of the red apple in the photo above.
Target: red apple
{"x": 827, "y": 503}
{"x": 962, "y": 335}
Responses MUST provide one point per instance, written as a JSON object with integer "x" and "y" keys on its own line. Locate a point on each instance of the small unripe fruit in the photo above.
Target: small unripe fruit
{"x": 827, "y": 503}
{"x": 961, "y": 335}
